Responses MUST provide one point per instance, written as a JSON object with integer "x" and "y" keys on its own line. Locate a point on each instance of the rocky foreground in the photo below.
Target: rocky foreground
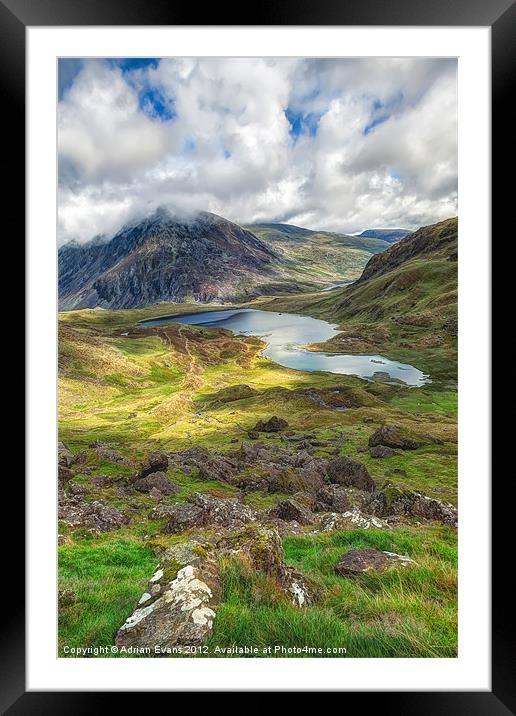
{"x": 318, "y": 495}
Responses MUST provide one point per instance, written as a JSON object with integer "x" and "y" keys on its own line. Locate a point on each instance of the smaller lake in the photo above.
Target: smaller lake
{"x": 287, "y": 333}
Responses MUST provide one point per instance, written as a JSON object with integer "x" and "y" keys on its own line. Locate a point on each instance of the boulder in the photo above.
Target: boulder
{"x": 332, "y": 498}
{"x": 351, "y": 520}
{"x": 157, "y": 462}
{"x": 110, "y": 455}
{"x": 345, "y": 471}
{"x": 95, "y": 516}
{"x": 360, "y": 561}
{"x": 181, "y": 517}
{"x": 65, "y": 456}
{"x": 380, "y": 451}
{"x": 64, "y": 474}
{"x": 176, "y": 609}
{"x": 272, "y": 425}
{"x": 157, "y": 481}
{"x": 291, "y": 510}
{"x": 261, "y": 545}
{"x": 434, "y": 510}
{"x": 99, "y": 482}
{"x": 395, "y": 500}
{"x": 202, "y": 510}
{"x": 392, "y": 436}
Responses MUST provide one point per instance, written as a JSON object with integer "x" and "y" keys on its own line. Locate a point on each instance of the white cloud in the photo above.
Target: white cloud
{"x": 378, "y": 146}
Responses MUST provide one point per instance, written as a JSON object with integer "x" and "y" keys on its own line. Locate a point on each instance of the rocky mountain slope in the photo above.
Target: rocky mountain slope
{"x": 205, "y": 258}
{"x": 163, "y": 258}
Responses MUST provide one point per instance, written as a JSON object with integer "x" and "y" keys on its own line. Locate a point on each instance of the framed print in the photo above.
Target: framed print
{"x": 258, "y": 352}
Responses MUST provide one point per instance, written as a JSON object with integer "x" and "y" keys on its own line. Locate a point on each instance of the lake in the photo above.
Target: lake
{"x": 287, "y": 333}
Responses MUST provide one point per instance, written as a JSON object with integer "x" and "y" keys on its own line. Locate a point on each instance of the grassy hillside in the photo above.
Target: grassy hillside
{"x": 319, "y": 257}
{"x": 176, "y": 387}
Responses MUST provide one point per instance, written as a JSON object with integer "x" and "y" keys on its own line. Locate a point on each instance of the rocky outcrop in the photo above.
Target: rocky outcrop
{"x": 75, "y": 511}
{"x": 392, "y": 436}
{"x": 203, "y": 510}
{"x": 257, "y": 466}
{"x": 272, "y": 425}
{"x": 293, "y": 510}
{"x": 332, "y": 498}
{"x": 261, "y": 545}
{"x": 180, "y": 602}
{"x": 156, "y": 481}
{"x": 156, "y": 462}
{"x": 233, "y": 393}
{"x": 178, "y": 606}
{"x": 394, "y": 500}
{"x": 360, "y": 561}
{"x": 381, "y": 451}
{"x": 345, "y": 471}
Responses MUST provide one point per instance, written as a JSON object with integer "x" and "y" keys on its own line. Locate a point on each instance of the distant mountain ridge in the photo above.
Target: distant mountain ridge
{"x": 205, "y": 258}
{"x": 389, "y": 235}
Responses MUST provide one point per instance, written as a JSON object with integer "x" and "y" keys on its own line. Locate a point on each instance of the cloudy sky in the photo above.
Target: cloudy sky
{"x": 331, "y": 144}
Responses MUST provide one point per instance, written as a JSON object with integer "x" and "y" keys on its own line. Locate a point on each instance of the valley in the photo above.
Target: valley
{"x": 193, "y": 451}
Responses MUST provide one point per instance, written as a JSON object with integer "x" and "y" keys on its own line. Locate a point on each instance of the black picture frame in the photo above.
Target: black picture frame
{"x": 500, "y": 16}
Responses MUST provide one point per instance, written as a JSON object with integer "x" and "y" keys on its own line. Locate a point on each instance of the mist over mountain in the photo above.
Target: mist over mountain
{"x": 162, "y": 258}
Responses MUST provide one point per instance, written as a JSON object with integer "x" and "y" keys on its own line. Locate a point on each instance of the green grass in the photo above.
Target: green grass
{"x": 162, "y": 390}
{"x": 405, "y": 612}
{"x": 105, "y": 579}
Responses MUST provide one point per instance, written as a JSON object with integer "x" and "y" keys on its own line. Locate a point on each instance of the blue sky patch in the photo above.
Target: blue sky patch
{"x": 301, "y": 123}
{"x": 156, "y": 105}
{"x": 129, "y": 64}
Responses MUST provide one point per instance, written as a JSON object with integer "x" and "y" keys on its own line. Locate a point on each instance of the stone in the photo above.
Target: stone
{"x": 434, "y": 510}
{"x": 101, "y": 481}
{"x": 65, "y": 456}
{"x": 182, "y": 614}
{"x": 272, "y": 425}
{"x": 393, "y": 437}
{"x": 157, "y": 462}
{"x": 345, "y": 471}
{"x": 96, "y": 516}
{"x": 157, "y": 481}
{"x": 262, "y": 546}
{"x": 202, "y": 510}
{"x": 394, "y": 500}
{"x": 64, "y": 474}
{"x": 381, "y": 451}
{"x": 351, "y": 520}
{"x": 332, "y": 498}
{"x": 105, "y": 453}
{"x": 182, "y": 517}
{"x": 292, "y": 510}
{"x": 361, "y": 561}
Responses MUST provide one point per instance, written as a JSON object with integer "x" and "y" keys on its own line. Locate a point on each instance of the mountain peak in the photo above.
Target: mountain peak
{"x": 163, "y": 257}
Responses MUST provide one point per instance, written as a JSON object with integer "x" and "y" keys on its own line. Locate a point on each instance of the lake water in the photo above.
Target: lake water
{"x": 287, "y": 333}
